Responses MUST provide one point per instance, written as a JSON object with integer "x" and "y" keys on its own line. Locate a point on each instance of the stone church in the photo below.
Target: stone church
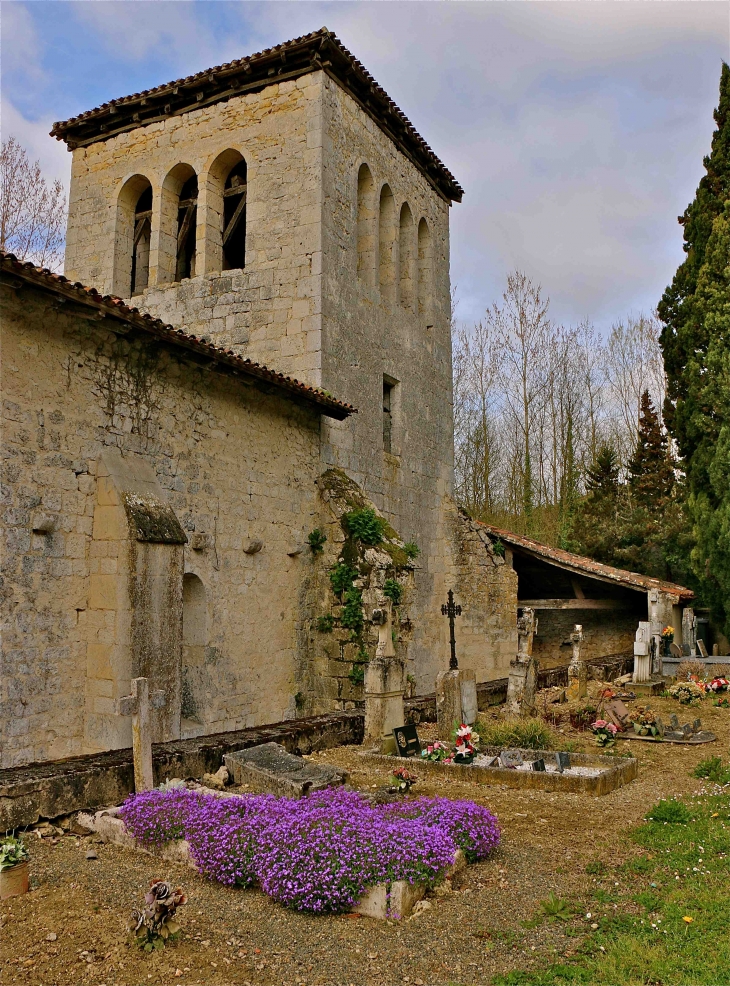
{"x": 251, "y": 344}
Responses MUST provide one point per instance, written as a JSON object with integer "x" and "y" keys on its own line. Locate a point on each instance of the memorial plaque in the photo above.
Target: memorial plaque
{"x": 539, "y": 764}
{"x": 562, "y": 760}
{"x": 511, "y": 758}
{"x": 407, "y": 742}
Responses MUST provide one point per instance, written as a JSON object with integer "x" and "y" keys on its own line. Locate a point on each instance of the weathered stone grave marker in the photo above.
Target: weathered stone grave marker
{"x": 642, "y": 658}
{"x": 577, "y": 670}
{"x": 137, "y": 705}
{"x": 562, "y": 761}
{"x": 456, "y": 689}
{"x": 511, "y": 758}
{"x": 269, "y": 769}
{"x": 385, "y": 682}
{"x": 522, "y": 683}
{"x": 539, "y": 764}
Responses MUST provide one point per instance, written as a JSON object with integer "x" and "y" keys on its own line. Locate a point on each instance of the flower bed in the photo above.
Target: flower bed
{"x": 318, "y": 854}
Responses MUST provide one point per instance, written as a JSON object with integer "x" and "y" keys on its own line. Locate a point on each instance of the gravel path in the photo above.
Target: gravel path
{"x": 70, "y": 931}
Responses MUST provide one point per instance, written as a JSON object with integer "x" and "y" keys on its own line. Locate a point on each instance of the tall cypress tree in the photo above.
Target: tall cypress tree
{"x": 685, "y": 337}
{"x": 695, "y": 310}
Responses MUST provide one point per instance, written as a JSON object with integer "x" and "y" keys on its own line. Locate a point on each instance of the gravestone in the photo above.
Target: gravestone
{"x": 406, "y": 741}
{"x": 642, "y": 659}
{"x": 674, "y": 721}
{"x": 511, "y": 758}
{"x": 577, "y": 671}
{"x": 701, "y": 647}
{"x": 539, "y": 764}
{"x": 269, "y": 769}
{"x": 689, "y": 631}
{"x": 468, "y": 687}
{"x": 522, "y": 683}
{"x": 562, "y": 761}
{"x": 675, "y": 650}
{"x": 448, "y": 702}
{"x": 138, "y": 705}
{"x": 385, "y": 681}
{"x": 697, "y": 726}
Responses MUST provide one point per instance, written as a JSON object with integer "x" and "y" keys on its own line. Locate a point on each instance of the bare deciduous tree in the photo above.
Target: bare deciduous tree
{"x": 32, "y": 212}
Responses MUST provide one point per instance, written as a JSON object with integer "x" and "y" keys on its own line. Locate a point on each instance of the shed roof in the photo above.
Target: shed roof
{"x": 581, "y": 565}
{"x": 17, "y": 273}
{"x": 320, "y": 50}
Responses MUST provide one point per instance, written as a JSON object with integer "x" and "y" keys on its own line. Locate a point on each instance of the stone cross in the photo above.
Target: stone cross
{"x": 137, "y": 705}
{"x": 577, "y": 671}
{"x": 451, "y": 610}
{"x": 526, "y": 630}
{"x": 689, "y": 630}
{"x": 383, "y": 619}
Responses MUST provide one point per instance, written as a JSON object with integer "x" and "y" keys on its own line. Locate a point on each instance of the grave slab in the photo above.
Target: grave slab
{"x": 269, "y": 769}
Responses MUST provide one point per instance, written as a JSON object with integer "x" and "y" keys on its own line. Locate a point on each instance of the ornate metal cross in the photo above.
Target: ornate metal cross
{"x": 451, "y": 610}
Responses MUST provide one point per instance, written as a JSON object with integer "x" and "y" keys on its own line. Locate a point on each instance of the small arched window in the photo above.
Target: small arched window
{"x": 425, "y": 269}
{"x": 365, "y": 227}
{"x": 195, "y": 641}
{"x": 132, "y": 237}
{"x": 234, "y": 218}
{"x": 405, "y": 256}
{"x": 187, "y": 213}
{"x": 387, "y": 245}
{"x": 141, "y": 241}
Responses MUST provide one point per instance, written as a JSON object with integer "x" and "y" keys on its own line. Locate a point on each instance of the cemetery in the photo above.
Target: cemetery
{"x": 277, "y": 708}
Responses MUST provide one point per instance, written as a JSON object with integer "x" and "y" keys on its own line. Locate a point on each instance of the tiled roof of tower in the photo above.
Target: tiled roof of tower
{"x": 312, "y": 52}
{"x": 586, "y": 566}
{"x": 200, "y": 350}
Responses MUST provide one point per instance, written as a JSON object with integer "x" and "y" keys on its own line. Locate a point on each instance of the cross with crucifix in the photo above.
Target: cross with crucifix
{"x": 451, "y": 610}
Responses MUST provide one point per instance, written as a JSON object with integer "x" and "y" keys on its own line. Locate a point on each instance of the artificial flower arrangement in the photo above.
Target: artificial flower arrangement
{"x": 605, "y": 732}
{"x": 687, "y": 692}
{"x": 668, "y": 633}
{"x": 467, "y": 742}
{"x": 402, "y": 780}
{"x": 436, "y": 752}
{"x": 718, "y": 685}
{"x": 644, "y": 721}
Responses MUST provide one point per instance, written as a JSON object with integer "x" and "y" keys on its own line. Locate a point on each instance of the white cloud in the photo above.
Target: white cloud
{"x": 54, "y": 157}
{"x": 21, "y": 49}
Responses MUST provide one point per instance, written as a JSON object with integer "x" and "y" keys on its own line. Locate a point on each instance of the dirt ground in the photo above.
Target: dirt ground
{"x": 70, "y": 930}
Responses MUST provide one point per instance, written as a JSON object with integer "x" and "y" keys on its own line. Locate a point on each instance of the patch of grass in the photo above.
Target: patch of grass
{"x": 596, "y": 868}
{"x": 669, "y": 811}
{"x": 648, "y": 941}
{"x": 526, "y": 734}
{"x": 713, "y": 770}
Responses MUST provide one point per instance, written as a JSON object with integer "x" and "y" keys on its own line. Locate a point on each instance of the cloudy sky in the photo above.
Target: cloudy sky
{"x": 577, "y": 129}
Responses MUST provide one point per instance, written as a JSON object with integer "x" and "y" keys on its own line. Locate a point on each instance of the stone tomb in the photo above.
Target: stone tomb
{"x": 269, "y": 769}
{"x": 590, "y": 774}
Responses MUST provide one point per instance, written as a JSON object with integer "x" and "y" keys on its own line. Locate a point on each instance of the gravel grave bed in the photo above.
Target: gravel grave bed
{"x": 70, "y": 930}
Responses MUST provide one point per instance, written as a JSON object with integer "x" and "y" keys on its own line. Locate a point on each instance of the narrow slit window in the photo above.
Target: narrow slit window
{"x": 234, "y": 219}
{"x": 387, "y": 416}
{"x": 187, "y": 212}
{"x": 141, "y": 242}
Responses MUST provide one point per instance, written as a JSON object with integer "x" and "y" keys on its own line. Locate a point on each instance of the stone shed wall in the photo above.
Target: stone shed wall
{"x": 235, "y": 464}
{"x": 605, "y": 632}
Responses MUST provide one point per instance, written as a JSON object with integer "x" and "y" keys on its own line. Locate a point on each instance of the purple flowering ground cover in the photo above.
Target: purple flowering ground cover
{"x": 318, "y": 854}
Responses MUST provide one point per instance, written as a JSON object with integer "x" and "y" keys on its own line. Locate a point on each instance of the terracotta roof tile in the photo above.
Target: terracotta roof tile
{"x": 115, "y": 307}
{"x": 587, "y": 566}
{"x": 319, "y": 50}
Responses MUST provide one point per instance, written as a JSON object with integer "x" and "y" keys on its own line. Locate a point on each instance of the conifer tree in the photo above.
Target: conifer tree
{"x": 651, "y": 471}
{"x": 596, "y": 527}
{"x": 695, "y": 310}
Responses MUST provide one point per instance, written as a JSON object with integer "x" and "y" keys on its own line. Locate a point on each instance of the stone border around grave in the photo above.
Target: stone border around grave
{"x": 617, "y": 771}
{"x": 383, "y": 901}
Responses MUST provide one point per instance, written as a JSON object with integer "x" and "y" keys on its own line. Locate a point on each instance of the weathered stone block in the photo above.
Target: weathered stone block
{"x": 270, "y": 769}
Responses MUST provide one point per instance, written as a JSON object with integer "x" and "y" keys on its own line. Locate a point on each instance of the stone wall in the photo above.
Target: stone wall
{"x": 235, "y": 464}
{"x": 604, "y": 632}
